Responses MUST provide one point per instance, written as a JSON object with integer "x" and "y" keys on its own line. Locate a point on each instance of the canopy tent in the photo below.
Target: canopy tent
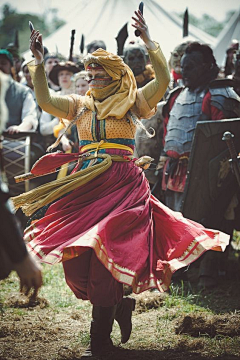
{"x": 231, "y": 31}
{"x": 102, "y": 20}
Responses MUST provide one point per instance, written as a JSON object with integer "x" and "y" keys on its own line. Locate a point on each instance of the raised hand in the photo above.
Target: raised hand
{"x": 36, "y": 46}
{"x": 140, "y": 24}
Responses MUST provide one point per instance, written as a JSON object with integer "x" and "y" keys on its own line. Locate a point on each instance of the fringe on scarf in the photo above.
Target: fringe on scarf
{"x": 140, "y": 125}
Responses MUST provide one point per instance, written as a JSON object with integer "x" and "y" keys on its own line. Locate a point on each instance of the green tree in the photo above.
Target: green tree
{"x": 207, "y": 23}
{"x": 11, "y": 21}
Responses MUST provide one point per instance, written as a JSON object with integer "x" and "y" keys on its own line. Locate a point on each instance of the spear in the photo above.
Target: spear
{"x": 71, "y": 45}
{"x": 81, "y": 47}
{"x": 121, "y": 39}
{"x": 185, "y": 23}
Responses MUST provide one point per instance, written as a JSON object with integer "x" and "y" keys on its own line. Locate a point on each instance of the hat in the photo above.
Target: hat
{"x": 7, "y": 54}
{"x": 66, "y": 65}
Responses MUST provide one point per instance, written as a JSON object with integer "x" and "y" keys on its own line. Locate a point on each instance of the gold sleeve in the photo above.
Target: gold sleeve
{"x": 155, "y": 89}
{"x": 57, "y": 105}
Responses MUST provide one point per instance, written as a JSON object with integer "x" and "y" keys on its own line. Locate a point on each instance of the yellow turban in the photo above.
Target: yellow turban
{"x": 119, "y": 96}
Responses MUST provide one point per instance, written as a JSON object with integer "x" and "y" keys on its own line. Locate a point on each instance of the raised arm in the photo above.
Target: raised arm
{"x": 155, "y": 89}
{"x": 60, "y": 106}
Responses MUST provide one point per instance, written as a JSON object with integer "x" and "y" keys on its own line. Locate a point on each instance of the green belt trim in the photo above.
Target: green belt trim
{"x": 102, "y": 129}
{"x": 116, "y": 141}
{"x": 93, "y": 128}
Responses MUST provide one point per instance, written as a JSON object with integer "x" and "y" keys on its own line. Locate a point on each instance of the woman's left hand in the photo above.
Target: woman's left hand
{"x": 140, "y": 24}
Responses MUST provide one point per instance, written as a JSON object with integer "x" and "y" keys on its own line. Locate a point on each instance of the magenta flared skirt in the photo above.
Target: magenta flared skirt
{"x": 139, "y": 240}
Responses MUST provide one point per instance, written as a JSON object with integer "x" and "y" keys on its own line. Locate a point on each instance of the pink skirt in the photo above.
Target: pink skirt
{"x": 137, "y": 238}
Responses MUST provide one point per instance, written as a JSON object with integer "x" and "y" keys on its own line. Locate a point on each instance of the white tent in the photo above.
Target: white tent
{"x": 102, "y": 20}
{"x": 231, "y": 31}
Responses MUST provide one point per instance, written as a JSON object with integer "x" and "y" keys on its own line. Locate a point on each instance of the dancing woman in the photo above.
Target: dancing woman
{"x": 103, "y": 224}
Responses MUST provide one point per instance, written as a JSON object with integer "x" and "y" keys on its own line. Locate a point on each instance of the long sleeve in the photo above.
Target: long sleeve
{"x": 155, "y": 89}
{"x": 57, "y": 105}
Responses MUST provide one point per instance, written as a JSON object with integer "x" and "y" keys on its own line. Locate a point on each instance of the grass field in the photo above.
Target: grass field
{"x": 181, "y": 324}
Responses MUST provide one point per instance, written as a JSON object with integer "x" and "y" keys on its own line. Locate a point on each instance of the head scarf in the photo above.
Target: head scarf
{"x": 119, "y": 96}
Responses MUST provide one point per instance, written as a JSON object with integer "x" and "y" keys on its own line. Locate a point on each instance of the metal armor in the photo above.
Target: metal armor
{"x": 185, "y": 113}
{"x": 226, "y": 100}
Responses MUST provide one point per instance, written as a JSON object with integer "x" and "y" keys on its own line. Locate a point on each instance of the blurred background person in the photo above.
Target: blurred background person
{"x": 29, "y": 84}
{"x": 61, "y": 75}
{"x": 22, "y": 109}
{"x": 229, "y": 63}
{"x": 17, "y": 61}
{"x": 81, "y": 84}
{"x": 50, "y": 60}
{"x": 135, "y": 56}
{"x": 175, "y": 65}
{"x": 13, "y": 252}
{"x": 94, "y": 45}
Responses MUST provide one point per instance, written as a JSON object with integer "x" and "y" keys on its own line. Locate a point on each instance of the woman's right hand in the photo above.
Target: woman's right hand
{"x": 36, "y": 46}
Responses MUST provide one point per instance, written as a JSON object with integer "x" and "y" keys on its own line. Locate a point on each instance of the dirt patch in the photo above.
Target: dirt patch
{"x": 149, "y": 300}
{"x": 211, "y": 325}
{"x": 42, "y": 335}
{"x": 22, "y": 301}
{"x": 56, "y": 326}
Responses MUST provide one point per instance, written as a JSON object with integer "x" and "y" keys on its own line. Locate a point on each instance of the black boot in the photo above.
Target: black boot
{"x": 101, "y": 328}
{"x": 124, "y": 317}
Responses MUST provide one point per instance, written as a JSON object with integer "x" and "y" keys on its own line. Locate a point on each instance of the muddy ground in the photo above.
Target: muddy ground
{"x": 182, "y": 324}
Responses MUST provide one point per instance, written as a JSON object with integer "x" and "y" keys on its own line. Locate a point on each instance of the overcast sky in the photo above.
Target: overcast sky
{"x": 215, "y": 8}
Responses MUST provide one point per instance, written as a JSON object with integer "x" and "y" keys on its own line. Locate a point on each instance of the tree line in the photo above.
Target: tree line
{"x": 12, "y": 22}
